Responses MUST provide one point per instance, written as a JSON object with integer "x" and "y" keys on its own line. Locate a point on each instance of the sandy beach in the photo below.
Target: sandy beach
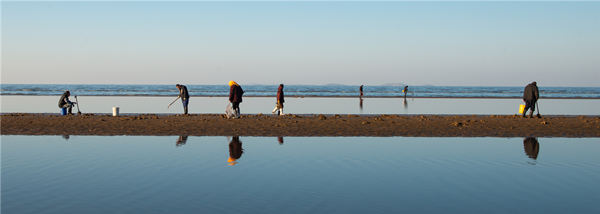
{"x": 302, "y": 125}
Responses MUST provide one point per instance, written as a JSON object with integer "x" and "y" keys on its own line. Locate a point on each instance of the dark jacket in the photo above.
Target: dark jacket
{"x": 64, "y": 99}
{"x": 235, "y": 94}
{"x": 183, "y": 93}
{"x": 280, "y": 97}
{"x": 531, "y": 92}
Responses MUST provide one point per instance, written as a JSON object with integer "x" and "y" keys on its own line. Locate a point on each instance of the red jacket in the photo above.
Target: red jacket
{"x": 280, "y": 98}
{"x": 235, "y": 94}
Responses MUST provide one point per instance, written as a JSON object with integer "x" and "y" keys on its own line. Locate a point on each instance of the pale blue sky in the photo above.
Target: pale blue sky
{"x": 372, "y": 43}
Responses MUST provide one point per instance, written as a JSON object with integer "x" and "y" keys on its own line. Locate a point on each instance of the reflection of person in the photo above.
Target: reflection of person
{"x": 66, "y": 137}
{"x": 64, "y": 102}
{"x": 185, "y": 97}
{"x": 360, "y": 103}
{"x": 361, "y": 90}
{"x": 235, "y": 150}
{"x": 280, "y": 140}
{"x": 280, "y": 101}
{"x": 532, "y": 147}
{"x": 530, "y": 96}
{"x": 405, "y": 103}
{"x": 181, "y": 140}
{"x": 235, "y": 97}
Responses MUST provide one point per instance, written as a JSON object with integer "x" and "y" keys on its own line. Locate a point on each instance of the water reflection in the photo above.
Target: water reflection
{"x": 280, "y": 140}
{"x": 181, "y": 140}
{"x": 532, "y": 147}
{"x": 360, "y": 104}
{"x": 405, "y": 103}
{"x": 66, "y": 137}
{"x": 235, "y": 150}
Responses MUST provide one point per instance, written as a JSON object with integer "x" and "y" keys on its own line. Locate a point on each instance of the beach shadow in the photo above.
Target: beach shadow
{"x": 181, "y": 140}
{"x": 531, "y": 147}
{"x": 235, "y": 151}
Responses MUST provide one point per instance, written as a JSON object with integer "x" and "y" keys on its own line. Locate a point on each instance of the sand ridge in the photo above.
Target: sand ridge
{"x": 302, "y": 125}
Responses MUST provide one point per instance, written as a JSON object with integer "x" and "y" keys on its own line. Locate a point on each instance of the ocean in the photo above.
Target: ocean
{"x": 299, "y": 91}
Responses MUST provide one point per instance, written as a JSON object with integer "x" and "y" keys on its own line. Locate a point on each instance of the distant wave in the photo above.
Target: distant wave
{"x": 298, "y": 91}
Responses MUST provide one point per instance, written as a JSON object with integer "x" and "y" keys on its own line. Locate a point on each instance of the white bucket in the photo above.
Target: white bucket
{"x": 115, "y": 111}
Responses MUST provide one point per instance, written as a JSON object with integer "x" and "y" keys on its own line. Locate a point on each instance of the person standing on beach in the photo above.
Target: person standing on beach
{"x": 185, "y": 97}
{"x": 530, "y": 96}
{"x": 405, "y": 90}
{"x": 235, "y": 97}
{"x": 64, "y": 102}
{"x": 280, "y": 101}
{"x": 361, "y": 90}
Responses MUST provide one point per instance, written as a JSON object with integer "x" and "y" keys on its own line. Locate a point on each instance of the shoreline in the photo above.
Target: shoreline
{"x": 302, "y": 125}
{"x": 315, "y": 96}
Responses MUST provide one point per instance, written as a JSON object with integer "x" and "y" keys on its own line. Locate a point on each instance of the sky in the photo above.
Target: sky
{"x": 370, "y": 43}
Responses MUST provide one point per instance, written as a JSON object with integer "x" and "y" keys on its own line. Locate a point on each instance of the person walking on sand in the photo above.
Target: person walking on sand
{"x": 405, "y": 90}
{"x": 530, "y": 96}
{"x": 185, "y": 97}
{"x": 280, "y": 101}
{"x": 64, "y": 102}
{"x": 361, "y": 90}
{"x": 235, "y": 97}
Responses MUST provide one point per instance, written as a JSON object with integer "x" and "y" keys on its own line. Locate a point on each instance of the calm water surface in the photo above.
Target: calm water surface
{"x": 312, "y": 105}
{"x": 178, "y": 174}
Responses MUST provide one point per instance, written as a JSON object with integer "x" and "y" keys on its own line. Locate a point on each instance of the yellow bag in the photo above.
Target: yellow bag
{"x": 521, "y": 108}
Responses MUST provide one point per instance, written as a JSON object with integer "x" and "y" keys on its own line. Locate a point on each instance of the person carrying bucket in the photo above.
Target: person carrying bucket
{"x": 235, "y": 97}
{"x": 280, "y": 101}
{"x": 65, "y": 103}
{"x": 530, "y": 96}
{"x": 185, "y": 97}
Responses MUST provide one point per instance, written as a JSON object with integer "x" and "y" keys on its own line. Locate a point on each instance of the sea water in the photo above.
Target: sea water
{"x": 299, "y": 90}
{"x": 181, "y": 174}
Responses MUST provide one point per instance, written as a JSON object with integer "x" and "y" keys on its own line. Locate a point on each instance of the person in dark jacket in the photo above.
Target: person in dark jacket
{"x": 530, "y": 96}
{"x": 361, "y": 90}
{"x": 405, "y": 90}
{"x": 64, "y": 102}
{"x": 185, "y": 97}
{"x": 280, "y": 101}
{"x": 235, "y": 96}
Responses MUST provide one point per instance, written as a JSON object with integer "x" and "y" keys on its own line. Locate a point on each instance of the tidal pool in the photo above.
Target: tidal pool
{"x": 180, "y": 174}
{"x": 295, "y": 105}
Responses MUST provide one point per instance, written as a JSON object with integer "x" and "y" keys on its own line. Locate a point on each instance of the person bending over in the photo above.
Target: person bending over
{"x": 64, "y": 102}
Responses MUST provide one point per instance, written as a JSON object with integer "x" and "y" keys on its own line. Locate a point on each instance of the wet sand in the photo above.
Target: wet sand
{"x": 302, "y": 125}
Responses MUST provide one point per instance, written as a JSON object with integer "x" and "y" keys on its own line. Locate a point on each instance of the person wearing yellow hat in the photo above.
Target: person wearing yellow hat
{"x": 235, "y": 97}
{"x": 235, "y": 150}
